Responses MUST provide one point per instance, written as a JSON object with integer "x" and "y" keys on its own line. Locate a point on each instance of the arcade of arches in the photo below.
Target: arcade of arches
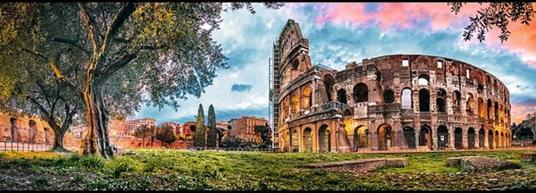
{"x": 387, "y": 103}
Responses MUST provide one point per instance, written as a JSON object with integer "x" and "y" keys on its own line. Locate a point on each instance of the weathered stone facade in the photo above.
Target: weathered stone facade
{"x": 387, "y": 103}
{"x": 244, "y": 128}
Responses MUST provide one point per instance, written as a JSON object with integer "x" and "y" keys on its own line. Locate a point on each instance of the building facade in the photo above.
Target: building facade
{"x": 387, "y": 103}
{"x": 244, "y": 128}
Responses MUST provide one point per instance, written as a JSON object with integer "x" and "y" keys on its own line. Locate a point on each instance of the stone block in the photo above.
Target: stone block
{"x": 528, "y": 156}
{"x": 480, "y": 163}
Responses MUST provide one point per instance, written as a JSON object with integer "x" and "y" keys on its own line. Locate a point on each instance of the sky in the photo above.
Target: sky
{"x": 340, "y": 33}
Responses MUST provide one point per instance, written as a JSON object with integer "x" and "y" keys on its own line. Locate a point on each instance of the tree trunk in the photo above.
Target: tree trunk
{"x": 96, "y": 122}
{"x": 58, "y": 142}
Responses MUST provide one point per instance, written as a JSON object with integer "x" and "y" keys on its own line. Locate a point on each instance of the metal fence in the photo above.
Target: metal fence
{"x": 8, "y": 145}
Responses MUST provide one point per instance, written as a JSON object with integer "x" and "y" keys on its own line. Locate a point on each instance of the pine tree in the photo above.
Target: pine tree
{"x": 211, "y": 127}
{"x": 199, "y": 137}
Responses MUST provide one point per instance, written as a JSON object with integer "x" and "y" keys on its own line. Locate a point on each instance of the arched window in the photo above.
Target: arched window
{"x": 306, "y": 97}
{"x": 424, "y": 100}
{"x": 360, "y": 93}
{"x": 405, "y": 100}
{"x": 295, "y": 64}
{"x": 341, "y": 96}
{"x": 378, "y": 76}
{"x": 496, "y": 110}
{"x": 469, "y": 105}
{"x": 481, "y": 108}
{"x": 480, "y": 89}
{"x": 388, "y": 96}
{"x": 440, "y": 101}
{"x": 423, "y": 80}
{"x": 489, "y": 109}
{"x": 457, "y": 98}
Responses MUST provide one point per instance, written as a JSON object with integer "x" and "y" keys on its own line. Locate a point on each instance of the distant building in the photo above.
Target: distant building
{"x": 134, "y": 124}
{"x": 224, "y": 126}
{"x": 244, "y": 128}
{"x": 177, "y": 128}
{"x": 188, "y": 130}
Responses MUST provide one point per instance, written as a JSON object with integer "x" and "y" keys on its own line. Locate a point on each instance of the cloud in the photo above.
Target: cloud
{"x": 341, "y": 33}
{"x": 397, "y": 15}
{"x": 241, "y": 87}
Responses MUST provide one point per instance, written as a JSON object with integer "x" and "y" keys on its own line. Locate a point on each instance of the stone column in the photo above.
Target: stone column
{"x": 477, "y": 140}
{"x": 417, "y": 133}
{"x": 486, "y": 139}
{"x": 300, "y": 139}
{"x": 314, "y": 137}
{"x": 435, "y": 144}
{"x": 315, "y": 85}
{"x": 465, "y": 138}
{"x": 451, "y": 137}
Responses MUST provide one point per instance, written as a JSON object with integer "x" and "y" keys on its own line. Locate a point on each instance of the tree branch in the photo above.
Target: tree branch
{"x": 108, "y": 70}
{"x": 90, "y": 25}
{"x": 70, "y": 42}
{"x": 117, "y": 22}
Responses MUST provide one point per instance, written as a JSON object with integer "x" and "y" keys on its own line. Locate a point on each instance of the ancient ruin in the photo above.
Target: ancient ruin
{"x": 387, "y": 103}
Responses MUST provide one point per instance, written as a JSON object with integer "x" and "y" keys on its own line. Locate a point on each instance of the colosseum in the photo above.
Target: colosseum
{"x": 388, "y": 103}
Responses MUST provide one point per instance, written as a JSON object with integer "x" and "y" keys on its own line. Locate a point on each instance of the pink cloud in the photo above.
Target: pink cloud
{"x": 520, "y": 111}
{"x": 439, "y": 15}
{"x": 400, "y": 15}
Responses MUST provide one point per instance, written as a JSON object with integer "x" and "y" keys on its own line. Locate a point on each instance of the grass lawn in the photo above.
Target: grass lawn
{"x": 210, "y": 170}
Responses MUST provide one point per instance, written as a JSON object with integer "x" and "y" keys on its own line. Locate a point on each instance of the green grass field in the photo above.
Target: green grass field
{"x": 210, "y": 170}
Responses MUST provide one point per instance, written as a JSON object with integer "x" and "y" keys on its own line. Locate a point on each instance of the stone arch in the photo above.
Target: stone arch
{"x": 341, "y": 96}
{"x": 458, "y": 138}
{"x": 423, "y": 80}
{"x": 306, "y": 97}
{"x": 481, "y": 109}
{"x": 384, "y": 136}
{"x": 329, "y": 81}
{"x": 285, "y": 108}
{"x": 294, "y": 143}
{"x": 488, "y": 110}
{"x": 324, "y": 139}
{"x": 409, "y": 135}
{"x": 441, "y": 100}
{"x": 388, "y": 96}
{"x": 471, "y": 138}
{"x": 481, "y": 137}
{"x": 457, "y": 98}
{"x": 496, "y": 111}
{"x": 442, "y": 136}
{"x": 295, "y": 103}
{"x": 360, "y": 93}
{"x": 424, "y": 100}
{"x": 480, "y": 88}
{"x": 307, "y": 140}
{"x": 360, "y": 137}
{"x": 425, "y": 136}
{"x": 406, "y": 99}
{"x": 469, "y": 105}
